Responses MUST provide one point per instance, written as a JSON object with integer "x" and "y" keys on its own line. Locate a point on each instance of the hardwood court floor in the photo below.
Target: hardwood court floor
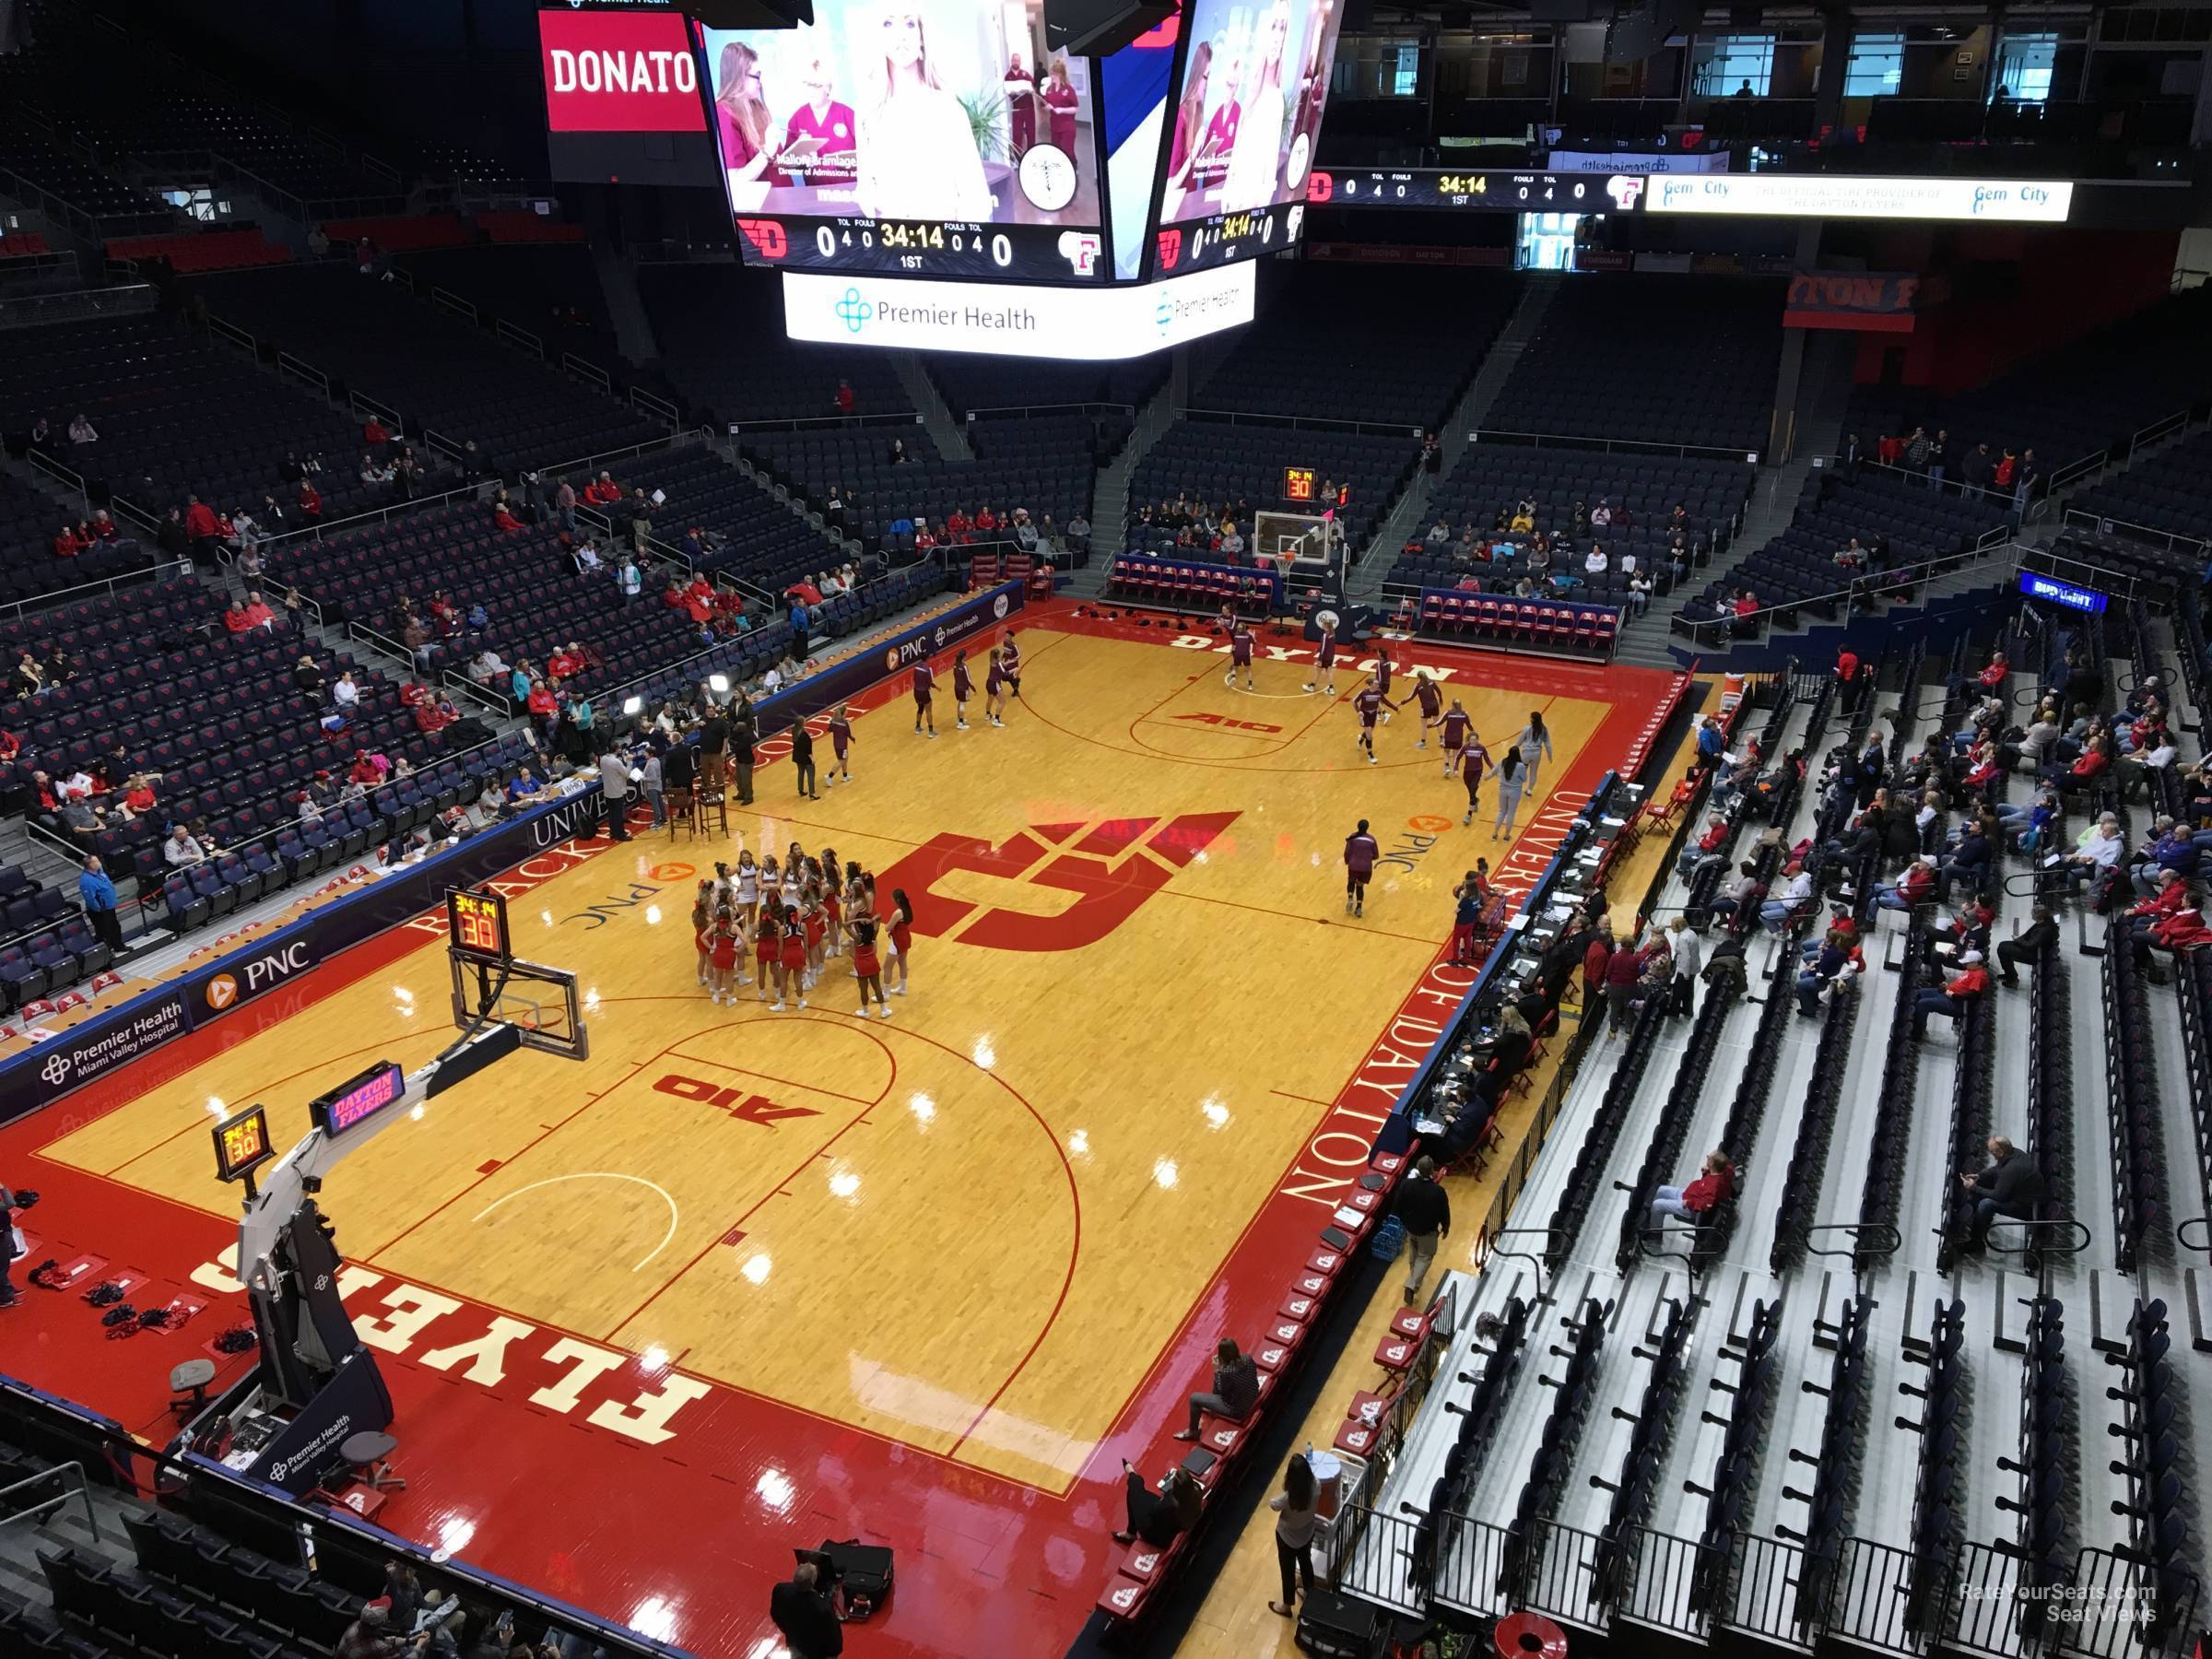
{"x": 744, "y": 1279}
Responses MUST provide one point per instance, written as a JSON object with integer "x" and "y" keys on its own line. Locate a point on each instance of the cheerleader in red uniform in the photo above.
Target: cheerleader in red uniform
{"x": 768, "y": 956}
{"x": 816, "y": 920}
{"x": 841, "y": 741}
{"x": 725, "y": 956}
{"x": 794, "y": 975}
{"x": 867, "y": 967}
{"x": 703, "y": 927}
{"x": 962, "y": 689}
{"x": 898, "y": 922}
{"x": 771, "y": 885}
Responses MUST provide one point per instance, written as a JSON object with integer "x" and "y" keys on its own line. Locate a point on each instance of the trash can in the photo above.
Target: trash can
{"x": 1328, "y": 1482}
{"x": 1529, "y": 1635}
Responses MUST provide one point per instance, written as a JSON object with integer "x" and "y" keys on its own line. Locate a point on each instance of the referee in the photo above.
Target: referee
{"x": 1426, "y": 1214}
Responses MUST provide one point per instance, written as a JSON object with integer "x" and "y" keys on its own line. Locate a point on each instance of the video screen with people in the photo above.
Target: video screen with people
{"x": 917, "y": 110}
{"x": 1247, "y": 117}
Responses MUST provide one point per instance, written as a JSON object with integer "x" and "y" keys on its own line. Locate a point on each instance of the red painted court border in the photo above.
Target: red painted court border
{"x": 689, "y": 1543}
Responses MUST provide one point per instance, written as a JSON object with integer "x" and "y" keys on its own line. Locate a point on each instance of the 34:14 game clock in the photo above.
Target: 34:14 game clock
{"x": 476, "y": 923}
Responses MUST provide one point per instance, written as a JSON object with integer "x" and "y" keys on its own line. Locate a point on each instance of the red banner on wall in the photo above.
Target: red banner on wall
{"x": 1874, "y": 301}
{"x": 619, "y": 71}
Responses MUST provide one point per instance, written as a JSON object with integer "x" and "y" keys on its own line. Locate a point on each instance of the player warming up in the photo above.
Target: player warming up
{"x": 841, "y": 745}
{"x": 925, "y": 678}
{"x": 1240, "y": 653}
{"x": 1369, "y": 704}
{"x": 962, "y": 689}
{"x": 1457, "y": 729}
{"x": 1009, "y": 657}
{"x": 1325, "y": 658}
{"x": 1360, "y": 853}
{"x": 1384, "y": 668}
{"x": 1425, "y": 692}
{"x": 1474, "y": 766}
{"x": 994, "y": 690}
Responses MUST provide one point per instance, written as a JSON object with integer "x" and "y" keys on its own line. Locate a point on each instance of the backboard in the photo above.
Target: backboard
{"x": 539, "y": 1002}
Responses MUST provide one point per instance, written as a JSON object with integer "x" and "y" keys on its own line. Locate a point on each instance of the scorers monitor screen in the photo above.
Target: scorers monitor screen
{"x": 622, "y": 98}
{"x": 912, "y": 138}
{"x": 1240, "y": 138}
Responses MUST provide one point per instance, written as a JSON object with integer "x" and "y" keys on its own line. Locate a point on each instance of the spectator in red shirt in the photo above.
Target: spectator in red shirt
{"x": 1847, "y": 665}
{"x": 66, "y": 545}
{"x": 673, "y": 595}
{"x": 1747, "y": 611}
{"x": 959, "y": 526}
{"x": 501, "y": 519}
{"x": 200, "y": 523}
{"x": 603, "y": 491}
{"x": 431, "y": 716}
{"x": 844, "y": 397}
{"x": 373, "y": 433}
{"x": 1696, "y": 1201}
{"x": 805, "y": 591}
{"x": 1709, "y": 848}
{"x": 986, "y": 522}
{"x": 235, "y": 618}
{"x": 1962, "y": 987}
{"x": 925, "y": 540}
{"x": 259, "y": 615}
{"x": 311, "y": 500}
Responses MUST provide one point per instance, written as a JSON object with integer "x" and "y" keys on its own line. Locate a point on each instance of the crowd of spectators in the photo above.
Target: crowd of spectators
{"x": 2011, "y": 477}
{"x": 1517, "y": 554}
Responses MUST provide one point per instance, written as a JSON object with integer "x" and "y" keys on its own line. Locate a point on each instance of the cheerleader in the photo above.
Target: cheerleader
{"x": 898, "y": 922}
{"x": 815, "y": 920}
{"x": 703, "y": 927}
{"x": 725, "y": 957}
{"x": 768, "y": 955}
{"x": 841, "y": 741}
{"x": 793, "y": 974}
{"x": 771, "y": 884}
{"x": 867, "y": 967}
{"x": 994, "y": 691}
{"x": 962, "y": 689}
{"x": 745, "y": 889}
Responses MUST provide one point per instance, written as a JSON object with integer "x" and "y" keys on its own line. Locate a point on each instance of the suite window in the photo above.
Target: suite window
{"x": 1876, "y": 65}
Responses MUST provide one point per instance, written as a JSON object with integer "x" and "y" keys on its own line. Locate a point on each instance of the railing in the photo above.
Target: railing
{"x": 457, "y": 304}
{"x": 816, "y": 423}
{"x": 75, "y": 305}
{"x": 588, "y": 371}
{"x": 1611, "y": 445}
{"x": 520, "y": 338}
{"x": 2086, "y": 574}
{"x": 1313, "y": 423}
{"x": 1025, "y": 411}
{"x": 1718, "y": 631}
{"x": 21, "y": 609}
{"x": 235, "y": 335}
{"x": 2172, "y": 540}
{"x": 70, "y": 1476}
{"x": 299, "y": 368}
{"x": 1663, "y": 1575}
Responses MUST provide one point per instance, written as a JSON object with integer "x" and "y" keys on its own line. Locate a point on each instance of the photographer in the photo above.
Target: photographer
{"x": 802, "y": 1609}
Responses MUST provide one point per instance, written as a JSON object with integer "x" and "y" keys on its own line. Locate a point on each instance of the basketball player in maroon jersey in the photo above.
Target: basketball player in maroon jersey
{"x": 1458, "y": 728}
{"x": 1475, "y": 765}
{"x": 840, "y": 742}
{"x": 1324, "y": 662}
{"x": 994, "y": 690}
{"x": 1359, "y": 854}
{"x": 1432, "y": 700}
{"x": 962, "y": 689}
{"x": 1009, "y": 657}
{"x": 1240, "y": 653}
{"x": 925, "y": 678}
{"x": 1384, "y": 668}
{"x": 1369, "y": 703}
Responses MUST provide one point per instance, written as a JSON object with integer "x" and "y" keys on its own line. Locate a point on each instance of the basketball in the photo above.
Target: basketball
{"x": 1326, "y": 619}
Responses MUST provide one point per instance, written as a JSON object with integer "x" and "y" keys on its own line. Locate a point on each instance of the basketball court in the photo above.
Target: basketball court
{"x": 739, "y": 1280}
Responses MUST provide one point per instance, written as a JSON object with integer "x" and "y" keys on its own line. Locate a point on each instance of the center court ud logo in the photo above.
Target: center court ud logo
{"x": 855, "y": 311}
{"x": 1113, "y": 870}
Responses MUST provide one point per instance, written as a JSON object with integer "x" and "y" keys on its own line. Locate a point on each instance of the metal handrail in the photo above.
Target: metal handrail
{"x": 1874, "y": 582}
{"x": 74, "y": 1471}
{"x": 2100, "y": 523}
{"x": 69, "y": 596}
{"x": 1706, "y": 451}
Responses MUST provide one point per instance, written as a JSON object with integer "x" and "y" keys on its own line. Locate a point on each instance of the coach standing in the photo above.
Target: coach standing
{"x": 614, "y": 789}
{"x": 741, "y": 740}
{"x": 97, "y": 893}
{"x": 801, "y": 759}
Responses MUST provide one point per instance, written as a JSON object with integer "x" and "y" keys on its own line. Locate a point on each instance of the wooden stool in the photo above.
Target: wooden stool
{"x": 681, "y": 812}
{"x": 194, "y": 1375}
{"x": 714, "y": 808}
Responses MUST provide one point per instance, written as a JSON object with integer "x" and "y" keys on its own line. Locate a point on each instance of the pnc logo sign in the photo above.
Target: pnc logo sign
{"x": 1113, "y": 870}
{"x": 741, "y": 1105}
{"x": 270, "y": 969}
{"x": 222, "y": 991}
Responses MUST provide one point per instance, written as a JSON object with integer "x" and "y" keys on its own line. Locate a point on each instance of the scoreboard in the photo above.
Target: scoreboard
{"x": 1479, "y": 192}
{"x": 476, "y": 925}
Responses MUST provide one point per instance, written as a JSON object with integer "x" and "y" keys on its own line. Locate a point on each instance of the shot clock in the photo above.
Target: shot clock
{"x": 476, "y": 925}
{"x": 241, "y": 1144}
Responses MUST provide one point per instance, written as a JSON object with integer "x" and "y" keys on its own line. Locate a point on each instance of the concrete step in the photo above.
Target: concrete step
{"x": 950, "y": 436}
